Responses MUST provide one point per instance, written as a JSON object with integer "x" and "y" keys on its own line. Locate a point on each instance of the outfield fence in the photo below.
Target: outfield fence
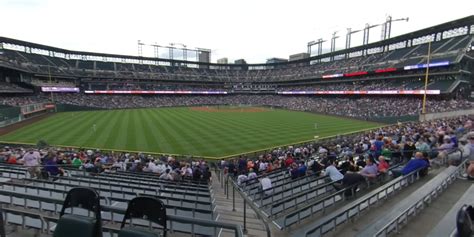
{"x": 9, "y": 115}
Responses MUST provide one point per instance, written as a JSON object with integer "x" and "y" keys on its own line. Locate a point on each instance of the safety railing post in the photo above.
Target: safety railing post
{"x": 2, "y": 226}
{"x": 233, "y": 198}
{"x": 245, "y": 216}
{"x": 227, "y": 187}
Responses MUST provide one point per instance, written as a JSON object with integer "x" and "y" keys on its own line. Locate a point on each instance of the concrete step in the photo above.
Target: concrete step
{"x": 225, "y": 212}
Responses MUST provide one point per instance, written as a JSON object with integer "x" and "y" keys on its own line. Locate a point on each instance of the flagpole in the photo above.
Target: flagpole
{"x": 423, "y": 111}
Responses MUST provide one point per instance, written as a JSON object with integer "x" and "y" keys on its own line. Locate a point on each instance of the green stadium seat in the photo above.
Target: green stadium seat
{"x": 72, "y": 225}
{"x": 146, "y": 208}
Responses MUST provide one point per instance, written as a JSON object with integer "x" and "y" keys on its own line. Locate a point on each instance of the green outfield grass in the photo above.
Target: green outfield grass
{"x": 221, "y": 132}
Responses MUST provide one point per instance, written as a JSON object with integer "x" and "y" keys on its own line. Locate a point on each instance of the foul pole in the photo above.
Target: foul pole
{"x": 423, "y": 111}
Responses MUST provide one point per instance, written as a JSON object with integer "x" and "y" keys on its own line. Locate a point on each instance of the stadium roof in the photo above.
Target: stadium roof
{"x": 462, "y": 22}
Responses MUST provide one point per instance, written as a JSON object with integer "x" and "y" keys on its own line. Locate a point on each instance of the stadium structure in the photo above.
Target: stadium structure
{"x": 388, "y": 88}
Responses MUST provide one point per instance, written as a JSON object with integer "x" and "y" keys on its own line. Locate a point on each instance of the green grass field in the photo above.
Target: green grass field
{"x": 219, "y": 132}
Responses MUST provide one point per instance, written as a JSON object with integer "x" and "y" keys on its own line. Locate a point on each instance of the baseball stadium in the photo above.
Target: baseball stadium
{"x": 368, "y": 140}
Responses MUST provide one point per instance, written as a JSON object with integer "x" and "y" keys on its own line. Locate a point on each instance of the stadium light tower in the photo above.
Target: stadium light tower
{"x": 387, "y": 26}
{"x": 366, "y": 32}
{"x": 156, "y": 48}
{"x": 348, "y": 36}
{"x": 140, "y": 48}
{"x": 319, "y": 43}
{"x": 333, "y": 43}
{"x": 310, "y": 44}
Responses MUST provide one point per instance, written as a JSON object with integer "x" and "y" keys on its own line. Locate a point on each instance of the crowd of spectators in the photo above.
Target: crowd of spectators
{"x": 54, "y": 162}
{"x": 12, "y": 88}
{"x": 354, "y": 158}
{"x": 362, "y": 107}
{"x": 16, "y": 101}
{"x": 366, "y": 107}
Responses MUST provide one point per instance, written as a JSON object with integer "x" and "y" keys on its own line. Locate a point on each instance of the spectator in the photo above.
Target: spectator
{"x": 417, "y": 163}
{"x": 32, "y": 160}
{"x": 333, "y": 173}
{"x": 370, "y": 170}
{"x": 166, "y": 175}
{"x": 266, "y": 184}
{"x": 383, "y": 165}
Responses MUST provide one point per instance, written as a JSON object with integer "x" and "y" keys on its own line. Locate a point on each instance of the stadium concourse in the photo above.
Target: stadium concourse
{"x": 368, "y": 183}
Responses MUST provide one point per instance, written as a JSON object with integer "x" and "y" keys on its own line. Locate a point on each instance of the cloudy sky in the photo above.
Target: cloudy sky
{"x": 251, "y": 29}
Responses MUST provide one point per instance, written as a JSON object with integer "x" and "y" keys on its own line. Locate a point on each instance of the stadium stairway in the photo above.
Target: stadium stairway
{"x": 223, "y": 210}
{"x": 425, "y": 222}
{"x": 354, "y": 226}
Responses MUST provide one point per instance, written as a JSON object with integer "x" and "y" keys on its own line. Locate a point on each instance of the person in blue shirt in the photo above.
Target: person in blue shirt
{"x": 302, "y": 170}
{"x": 418, "y": 162}
{"x": 378, "y": 145}
{"x": 51, "y": 165}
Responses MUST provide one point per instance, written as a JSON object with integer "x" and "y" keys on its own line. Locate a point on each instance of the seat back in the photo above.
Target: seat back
{"x": 71, "y": 225}
{"x": 147, "y": 208}
{"x": 464, "y": 220}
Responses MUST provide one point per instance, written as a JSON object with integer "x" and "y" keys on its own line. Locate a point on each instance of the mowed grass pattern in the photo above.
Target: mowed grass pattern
{"x": 183, "y": 130}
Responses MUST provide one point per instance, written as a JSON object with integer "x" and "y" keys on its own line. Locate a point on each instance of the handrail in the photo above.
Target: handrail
{"x": 346, "y": 210}
{"x": 246, "y": 200}
{"x": 2, "y": 225}
{"x": 385, "y": 229}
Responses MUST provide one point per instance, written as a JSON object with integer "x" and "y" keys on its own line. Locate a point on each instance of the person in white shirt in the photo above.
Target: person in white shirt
{"x": 241, "y": 179}
{"x": 333, "y": 173}
{"x": 31, "y": 159}
{"x": 266, "y": 185}
{"x": 150, "y": 167}
{"x": 252, "y": 175}
{"x": 166, "y": 175}
{"x": 455, "y": 157}
{"x": 263, "y": 166}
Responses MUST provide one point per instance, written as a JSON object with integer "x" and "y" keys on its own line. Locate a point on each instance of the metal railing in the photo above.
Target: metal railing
{"x": 402, "y": 218}
{"x": 246, "y": 201}
{"x": 356, "y": 207}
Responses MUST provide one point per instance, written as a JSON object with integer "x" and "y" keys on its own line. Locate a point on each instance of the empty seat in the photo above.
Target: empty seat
{"x": 145, "y": 208}
{"x": 464, "y": 221}
{"x": 72, "y": 225}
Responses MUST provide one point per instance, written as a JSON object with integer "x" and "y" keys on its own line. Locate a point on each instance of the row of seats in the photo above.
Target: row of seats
{"x": 182, "y": 200}
{"x": 195, "y": 205}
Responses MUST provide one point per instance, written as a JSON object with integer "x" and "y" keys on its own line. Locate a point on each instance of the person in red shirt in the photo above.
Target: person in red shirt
{"x": 383, "y": 165}
{"x": 12, "y": 160}
{"x": 289, "y": 160}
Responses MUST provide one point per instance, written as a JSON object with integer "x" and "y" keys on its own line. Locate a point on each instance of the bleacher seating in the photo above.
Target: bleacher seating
{"x": 183, "y": 200}
{"x": 410, "y": 205}
{"x": 446, "y": 49}
{"x": 447, "y": 225}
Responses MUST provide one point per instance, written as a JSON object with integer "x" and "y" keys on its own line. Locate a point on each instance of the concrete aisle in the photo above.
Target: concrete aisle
{"x": 224, "y": 211}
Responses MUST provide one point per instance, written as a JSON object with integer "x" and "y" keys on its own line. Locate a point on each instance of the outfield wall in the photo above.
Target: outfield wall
{"x": 432, "y": 116}
{"x": 10, "y": 115}
{"x": 72, "y": 108}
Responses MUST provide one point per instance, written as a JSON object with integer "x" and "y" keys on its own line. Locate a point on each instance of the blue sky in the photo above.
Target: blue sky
{"x": 251, "y": 29}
